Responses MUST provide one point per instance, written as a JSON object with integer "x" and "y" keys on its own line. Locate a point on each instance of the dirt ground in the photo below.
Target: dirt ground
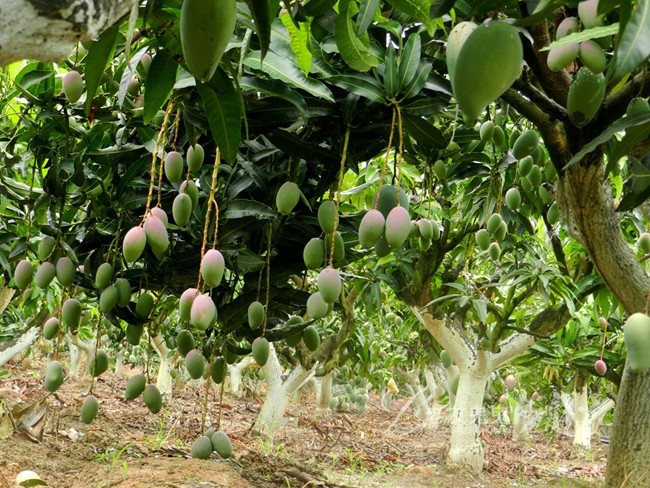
{"x": 127, "y": 447}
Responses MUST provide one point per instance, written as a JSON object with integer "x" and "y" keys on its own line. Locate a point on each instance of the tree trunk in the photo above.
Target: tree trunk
{"x": 78, "y": 348}
{"x": 47, "y": 30}
{"x": 235, "y": 372}
{"x": 277, "y": 398}
{"x": 18, "y": 345}
{"x": 164, "y": 378}
{"x": 628, "y": 460}
{"x": 466, "y": 448}
{"x": 324, "y": 393}
{"x": 523, "y": 420}
{"x": 581, "y": 420}
{"x": 422, "y": 409}
{"x": 119, "y": 363}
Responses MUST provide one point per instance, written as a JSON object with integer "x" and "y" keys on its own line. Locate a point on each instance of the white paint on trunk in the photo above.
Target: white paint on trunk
{"x": 581, "y": 421}
{"x": 466, "y": 449}
{"x": 6, "y": 294}
{"x": 47, "y": 30}
{"x": 422, "y": 409}
{"x": 164, "y": 378}
{"x": 524, "y": 419}
{"x": 324, "y": 392}
{"x": 119, "y": 363}
{"x": 78, "y": 348}
{"x": 235, "y": 373}
{"x": 19, "y": 346}
{"x": 279, "y": 392}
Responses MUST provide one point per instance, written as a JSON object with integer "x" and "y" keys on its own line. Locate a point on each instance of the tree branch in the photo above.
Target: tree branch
{"x": 615, "y": 104}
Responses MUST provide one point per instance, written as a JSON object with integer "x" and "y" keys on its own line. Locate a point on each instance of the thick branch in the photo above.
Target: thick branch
{"x": 615, "y": 104}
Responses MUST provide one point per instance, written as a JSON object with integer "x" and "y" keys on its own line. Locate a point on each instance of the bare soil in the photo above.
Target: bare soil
{"x": 128, "y": 447}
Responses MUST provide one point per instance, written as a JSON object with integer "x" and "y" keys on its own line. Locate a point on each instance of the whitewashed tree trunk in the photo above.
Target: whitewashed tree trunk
{"x": 436, "y": 390}
{"x": 422, "y": 409}
{"x": 598, "y": 413}
{"x": 279, "y": 391}
{"x": 466, "y": 449}
{"x": 78, "y": 348}
{"x": 19, "y": 345}
{"x": 585, "y": 423}
{"x": 164, "y": 378}
{"x": 47, "y": 30}
{"x": 6, "y": 294}
{"x": 324, "y": 393}
{"x": 235, "y": 372}
{"x": 523, "y": 419}
{"x": 119, "y": 363}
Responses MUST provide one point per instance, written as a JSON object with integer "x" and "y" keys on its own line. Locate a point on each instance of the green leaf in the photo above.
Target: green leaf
{"x": 585, "y": 35}
{"x": 238, "y": 209}
{"x": 299, "y": 40}
{"x": 224, "y": 115}
{"x": 440, "y": 7}
{"x": 273, "y": 88}
{"x": 159, "y": 84}
{"x": 315, "y": 8}
{"x": 633, "y": 47}
{"x": 409, "y": 60}
{"x": 423, "y": 131}
{"x": 127, "y": 75}
{"x": 621, "y": 125}
{"x": 363, "y": 85}
{"x": 367, "y": 11}
{"x": 416, "y": 9}
{"x": 391, "y": 72}
{"x": 283, "y": 69}
{"x": 419, "y": 81}
{"x": 99, "y": 54}
{"x": 637, "y": 187}
{"x": 262, "y": 17}
{"x": 354, "y": 48}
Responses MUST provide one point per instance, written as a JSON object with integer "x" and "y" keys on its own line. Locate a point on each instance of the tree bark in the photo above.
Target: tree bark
{"x": 164, "y": 378}
{"x": 324, "y": 393}
{"x": 235, "y": 372}
{"x": 47, "y": 30}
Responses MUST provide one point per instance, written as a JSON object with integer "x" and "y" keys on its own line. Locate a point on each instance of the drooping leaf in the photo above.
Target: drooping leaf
{"x": 314, "y": 8}
{"x": 283, "y": 69}
{"x": 367, "y": 11}
{"x": 440, "y": 7}
{"x": 585, "y": 35}
{"x": 618, "y": 126}
{"x": 127, "y": 75}
{"x": 260, "y": 11}
{"x": 354, "y": 48}
{"x": 159, "y": 84}
{"x": 299, "y": 40}
{"x": 363, "y": 85}
{"x": 633, "y": 46}
{"x": 100, "y": 52}
{"x": 240, "y": 208}
{"x": 409, "y": 60}
{"x": 224, "y": 114}
{"x": 391, "y": 72}
{"x": 273, "y": 88}
{"x": 423, "y": 131}
{"x": 637, "y": 186}
{"x": 419, "y": 81}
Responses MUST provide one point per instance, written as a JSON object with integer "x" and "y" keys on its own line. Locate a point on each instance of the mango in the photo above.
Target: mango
{"x": 525, "y": 165}
{"x": 386, "y": 199}
{"x": 381, "y": 247}
{"x": 294, "y": 340}
{"x": 98, "y": 364}
{"x": 445, "y": 358}
{"x": 108, "y": 298}
{"x": 328, "y": 216}
{"x": 287, "y": 197}
{"x": 66, "y": 271}
{"x": 123, "y": 291}
{"x": 195, "y": 157}
{"x": 23, "y": 274}
{"x": 588, "y": 14}
{"x": 161, "y": 214}
{"x": 329, "y": 284}
{"x": 499, "y": 136}
{"x": 488, "y": 63}
{"x": 218, "y": 369}
{"x": 73, "y": 86}
{"x": 144, "y": 306}
{"x": 311, "y": 338}
{"x": 51, "y": 328}
{"x": 44, "y": 274}
{"x": 643, "y": 243}
{"x": 71, "y": 313}
{"x": 156, "y": 233}
{"x": 255, "y": 315}
{"x": 494, "y": 250}
{"x": 133, "y": 334}
{"x": 636, "y": 334}
{"x": 53, "y": 376}
{"x": 455, "y": 40}
{"x": 513, "y": 199}
{"x": 510, "y": 381}
{"x": 398, "y": 227}
{"x": 206, "y": 27}
{"x": 493, "y": 223}
{"x": 45, "y": 248}
{"x": 185, "y": 303}
{"x": 133, "y": 244}
{"x": 569, "y": 25}
{"x": 586, "y": 95}
{"x": 553, "y": 214}
{"x": 103, "y": 276}
{"x": 440, "y": 170}
{"x": 221, "y": 444}
{"x": 601, "y": 367}
{"x": 453, "y": 384}
{"x": 525, "y": 144}
{"x": 195, "y": 364}
{"x": 213, "y": 266}
{"x": 189, "y": 187}
{"x": 501, "y": 232}
{"x": 201, "y": 448}
{"x": 203, "y": 312}
{"x": 135, "y": 387}
{"x": 592, "y": 56}
{"x": 337, "y": 248}
{"x": 152, "y": 398}
{"x": 182, "y": 209}
{"x": 261, "y": 350}
{"x": 561, "y": 57}
{"x": 535, "y": 176}
{"x": 314, "y": 253}
{"x": 317, "y": 308}
{"x": 184, "y": 342}
{"x": 173, "y": 166}
{"x": 89, "y": 409}
{"x": 424, "y": 244}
